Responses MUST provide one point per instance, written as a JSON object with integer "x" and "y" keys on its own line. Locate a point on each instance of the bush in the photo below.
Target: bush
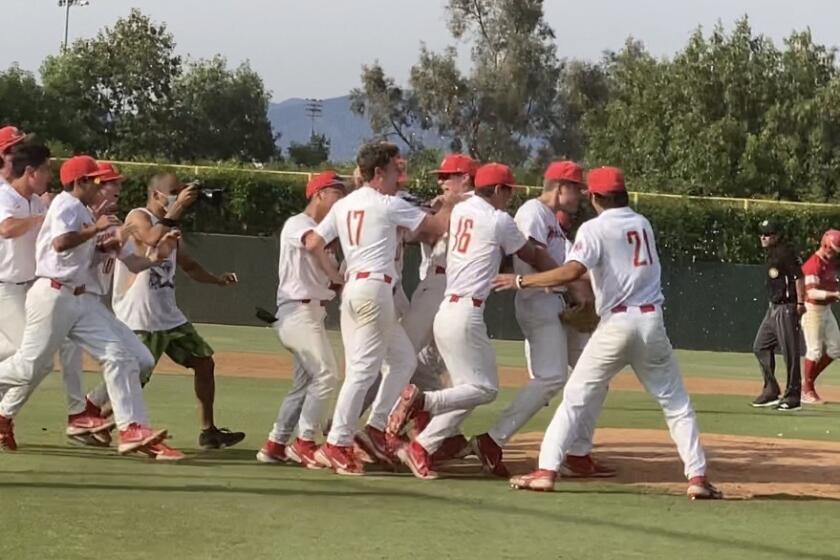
{"x": 694, "y": 230}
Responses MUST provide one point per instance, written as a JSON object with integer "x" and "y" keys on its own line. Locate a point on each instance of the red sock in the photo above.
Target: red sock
{"x": 820, "y": 366}
{"x": 808, "y": 376}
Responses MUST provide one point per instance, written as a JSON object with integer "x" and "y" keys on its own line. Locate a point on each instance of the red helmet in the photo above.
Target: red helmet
{"x": 831, "y": 240}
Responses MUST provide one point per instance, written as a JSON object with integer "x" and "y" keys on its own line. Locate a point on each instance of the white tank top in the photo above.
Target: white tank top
{"x": 146, "y": 301}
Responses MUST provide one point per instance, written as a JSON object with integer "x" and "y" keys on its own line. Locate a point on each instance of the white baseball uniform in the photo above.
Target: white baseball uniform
{"x": 819, "y": 325}
{"x": 538, "y": 313}
{"x": 17, "y": 266}
{"x": 479, "y": 236}
{"x": 97, "y": 288}
{"x": 619, "y": 251}
{"x": 366, "y": 222}
{"x": 55, "y": 311}
{"x": 302, "y": 292}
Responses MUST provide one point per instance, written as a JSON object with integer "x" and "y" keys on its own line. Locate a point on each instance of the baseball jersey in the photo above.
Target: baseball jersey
{"x": 300, "y": 276}
{"x": 538, "y": 222}
{"x": 67, "y": 214}
{"x": 619, "y": 251}
{"x": 432, "y": 257}
{"x": 819, "y": 275}
{"x": 366, "y": 222}
{"x": 101, "y": 274}
{"x": 146, "y": 301}
{"x": 479, "y": 236}
{"x": 17, "y": 256}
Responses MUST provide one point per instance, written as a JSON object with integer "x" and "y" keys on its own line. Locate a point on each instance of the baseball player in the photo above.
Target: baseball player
{"x": 302, "y": 292}
{"x": 21, "y": 214}
{"x": 822, "y": 336}
{"x": 618, "y": 250}
{"x": 366, "y": 223}
{"x": 480, "y": 234}
{"x": 55, "y": 311}
{"x": 146, "y": 301}
{"x": 10, "y": 136}
{"x": 538, "y": 314}
{"x": 97, "y": 288}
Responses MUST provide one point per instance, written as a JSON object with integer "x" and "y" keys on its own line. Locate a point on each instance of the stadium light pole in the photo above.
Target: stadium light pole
{"x": 67, "y": 4}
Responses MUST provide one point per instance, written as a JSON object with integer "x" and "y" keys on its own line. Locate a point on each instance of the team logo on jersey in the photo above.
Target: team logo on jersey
{"x": 773, "y": 272}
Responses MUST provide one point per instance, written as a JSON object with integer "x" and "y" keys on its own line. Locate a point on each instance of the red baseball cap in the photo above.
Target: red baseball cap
{"x": 456, "y": 164}
{"x": 324, "y": 180}
{"x": 605, "y": 180}
{"x": 79, "y": 167}
{"x": 493, "y": 174}
{"x": 564, "y": 171}
{"x": 113, "y": 174}
{"x": 9, "y": 136}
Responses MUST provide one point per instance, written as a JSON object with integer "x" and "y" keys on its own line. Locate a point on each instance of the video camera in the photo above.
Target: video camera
{"x": 213, "y": 197}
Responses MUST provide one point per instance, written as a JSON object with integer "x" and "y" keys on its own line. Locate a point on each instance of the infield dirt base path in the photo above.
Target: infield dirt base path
{"x": 279, "y": 366}
{"x": 742, "y": 467}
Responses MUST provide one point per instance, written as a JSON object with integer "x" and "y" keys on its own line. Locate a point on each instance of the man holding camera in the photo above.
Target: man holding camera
{"x": 146, "y": 301}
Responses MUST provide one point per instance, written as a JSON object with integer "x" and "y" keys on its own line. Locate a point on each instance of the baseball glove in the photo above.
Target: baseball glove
{"x": 581, "y": 317}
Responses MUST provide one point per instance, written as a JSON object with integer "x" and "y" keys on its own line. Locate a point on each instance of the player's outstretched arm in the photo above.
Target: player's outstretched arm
{"x": 316, "y": 245}
{"x": 433, "y": 226}
{"x": 73, "y": 239}
{"x": 198, "y": 273}
{"x": 535, "y": 255}
{"x": 561, "y": 275}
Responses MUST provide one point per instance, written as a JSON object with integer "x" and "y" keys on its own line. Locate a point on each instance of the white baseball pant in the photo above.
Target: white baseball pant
{"x": 639, "y": 340}
{"x": 819, "y": 326}
{"x": 546, "y": 355}
{"x": 461, "y": 337}
{"x": 13, "y": 304}
{"x": 70, "y": 356}
{"x": 371, "y": 335}
{"x": 401, "y": 303}
{"x": 53, "y": 315}
{"x": 300, "y": 327}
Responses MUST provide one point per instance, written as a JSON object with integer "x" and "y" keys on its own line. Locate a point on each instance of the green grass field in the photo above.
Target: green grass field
{"x": 61, "y": 502}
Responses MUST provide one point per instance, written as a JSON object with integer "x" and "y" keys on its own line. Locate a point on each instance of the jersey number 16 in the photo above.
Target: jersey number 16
{"x": 633, "y": 238}
{"x": 463, "y": 235}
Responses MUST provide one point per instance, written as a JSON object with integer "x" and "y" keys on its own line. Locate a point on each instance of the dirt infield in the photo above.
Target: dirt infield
{"x": 743, "y": 467}
{"x": 279, "y": 366}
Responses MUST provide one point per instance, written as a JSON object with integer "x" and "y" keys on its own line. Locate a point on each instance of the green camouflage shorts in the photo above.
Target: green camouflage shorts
{"x": 180, "y": 344}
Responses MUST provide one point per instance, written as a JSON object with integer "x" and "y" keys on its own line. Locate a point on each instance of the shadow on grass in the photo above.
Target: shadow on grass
{"x": 359, "y": 488}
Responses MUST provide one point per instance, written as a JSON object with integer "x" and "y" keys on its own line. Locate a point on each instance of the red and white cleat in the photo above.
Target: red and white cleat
{"x": 699, "y": 488}
{"x": 162, "y": 452}
{"x": 7, "y": 434}
{"x": 85, "y": 423}
{"x": 577, "y": 466}
{"x": 303, "y": 451}
{"x": 272, "y": 453}
{"x": 375, "y": 444}
{"x": 811, "y": 397}
{"x": 340, "y": 459}
{"x": 416, "y": 458}
{"x": 136, "y": 436}
{"x": 410, "y": 403}
{"x": 490, "y": 455}
{"x": 541, "y": 480}
{"x": 421, "y": 420}
{"x": 453, "y": 447}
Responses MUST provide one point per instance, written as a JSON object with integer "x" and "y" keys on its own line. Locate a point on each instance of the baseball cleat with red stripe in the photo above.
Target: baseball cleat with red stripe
{"x": 162, "y": 452}
{"x": 453, "y": 447}
{"x": 302, "y": 451}
{"x": 490, "y": 454}
{"x": 85, "y": 423}
{"x": 584, "y": 466}
{"x": 272, "y": 453}
{"x": 136, "y": 436}
{"x": 7, "y": 434}
{"x": 541, "y": 480}
{"x": 409, "y": 404}
{"x": 340, "y": 459}
{"x": 699, "y": 488}
{"x": 374, "y": 443}
{"x": 421, "y": 420}
{"x": 416, "y": 458}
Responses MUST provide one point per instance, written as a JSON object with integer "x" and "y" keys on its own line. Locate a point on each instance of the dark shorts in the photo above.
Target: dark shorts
{"x": 181, "y": 344}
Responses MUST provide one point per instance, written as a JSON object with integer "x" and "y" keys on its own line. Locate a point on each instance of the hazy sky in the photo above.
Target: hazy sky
{"x": 315, "y": 48}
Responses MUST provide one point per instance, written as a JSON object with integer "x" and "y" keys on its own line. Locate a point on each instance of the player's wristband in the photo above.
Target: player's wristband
{"x": 168, "y": 222}
{"x": 518, "y": 281}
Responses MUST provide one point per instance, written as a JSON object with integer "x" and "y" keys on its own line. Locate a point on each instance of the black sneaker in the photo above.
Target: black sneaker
{"x": 766, "y": 401}
{"x": 218, "y": 438}
{"x": 789, "y": 405}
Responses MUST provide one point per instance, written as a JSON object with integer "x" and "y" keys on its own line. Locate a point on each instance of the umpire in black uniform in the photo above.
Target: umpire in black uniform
{"x": 780, "y": 328}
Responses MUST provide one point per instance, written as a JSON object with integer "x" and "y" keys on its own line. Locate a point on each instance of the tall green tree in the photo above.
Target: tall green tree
{"x": 312, "y": 154}
{"x": 222, "y": 114}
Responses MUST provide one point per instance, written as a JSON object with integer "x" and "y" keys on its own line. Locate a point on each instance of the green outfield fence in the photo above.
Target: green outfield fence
{"x": 709, "y": 306}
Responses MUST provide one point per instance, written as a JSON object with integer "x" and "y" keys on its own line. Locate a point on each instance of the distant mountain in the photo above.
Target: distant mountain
{"x": 345, "y": 129}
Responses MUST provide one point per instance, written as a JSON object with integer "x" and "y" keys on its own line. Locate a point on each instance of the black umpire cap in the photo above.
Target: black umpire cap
{"x": 770, "y": 226}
